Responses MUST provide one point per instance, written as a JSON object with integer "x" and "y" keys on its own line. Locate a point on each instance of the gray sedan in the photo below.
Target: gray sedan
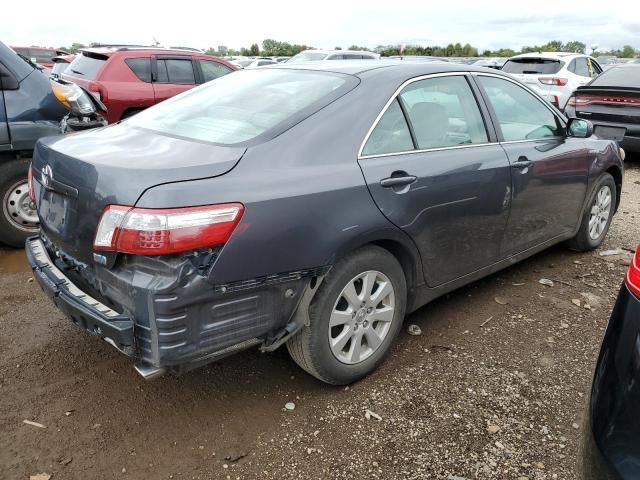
{"x": 312, "y": 205}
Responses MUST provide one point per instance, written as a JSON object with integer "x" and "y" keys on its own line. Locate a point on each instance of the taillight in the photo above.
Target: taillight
{"x": 583, "y": 100}
{"x": 96, "y": 90}
{"x": 151, "y": 231}
{"x": 561, "y": 82}
{"x": 32, "y": 192}
{"x": 633, "y": 275}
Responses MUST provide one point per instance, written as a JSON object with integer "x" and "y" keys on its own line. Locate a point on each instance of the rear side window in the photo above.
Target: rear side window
{"x": 625, "y": 76}
{"x": 176, "y": 71}
{"x": 212, "y": 70}
{"x": 240, "y": 107}
{"x": 581, "y": 67}
{"x": 537, "y": 66}
{"x": 141, "y": 67}
{"x": 443, "y": 112}
{"x": 86, "y": 67}
{"x": 391, "y": 134}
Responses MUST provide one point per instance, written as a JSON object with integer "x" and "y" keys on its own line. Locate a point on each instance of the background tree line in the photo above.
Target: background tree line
{"x": 275, "y": 48}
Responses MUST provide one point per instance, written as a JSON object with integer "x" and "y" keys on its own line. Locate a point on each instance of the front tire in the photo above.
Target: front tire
{"x": 18, "y": 217}
{"x": 354, "y": 318}
{"x": 597, "y": 217}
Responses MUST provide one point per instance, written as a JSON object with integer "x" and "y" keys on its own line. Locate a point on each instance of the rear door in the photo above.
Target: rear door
{"x": 172, "y": 74}
{"x": 434, "y": 169}
{"x": 549, "y": 170}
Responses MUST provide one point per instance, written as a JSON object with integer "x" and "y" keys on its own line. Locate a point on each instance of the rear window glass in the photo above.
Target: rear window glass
{"x": 307, "y": 57}
{"x": 42, "y": 55}
{"x": 537, "y": 66}
{"x": 59, "y": 68}
{"x": 239, "y": 107}
{"x": 624, "y": 76}
{"x": 86, "y": 67}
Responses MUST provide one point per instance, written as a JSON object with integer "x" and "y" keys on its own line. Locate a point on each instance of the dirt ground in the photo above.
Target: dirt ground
{"x": 494, "y": 388}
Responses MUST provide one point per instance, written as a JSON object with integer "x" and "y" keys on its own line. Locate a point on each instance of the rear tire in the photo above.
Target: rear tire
{"x": 597, "y": 216}
{"x": 374, "y": 282}
{"x": 17, "y": 219}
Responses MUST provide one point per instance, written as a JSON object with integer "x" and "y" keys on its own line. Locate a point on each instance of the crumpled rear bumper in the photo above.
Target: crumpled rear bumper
{"x": 170, "y": 315}
{"x": 87, "y": 312}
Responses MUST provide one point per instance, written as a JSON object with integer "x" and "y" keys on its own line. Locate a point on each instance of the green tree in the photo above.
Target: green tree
{"x": 337, "y": 48}
{"x": 627, "y": 52}
{"x": 575, "y": 47}
{"x": 254, "y": 50}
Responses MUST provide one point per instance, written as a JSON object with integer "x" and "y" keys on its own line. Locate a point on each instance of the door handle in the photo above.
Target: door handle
{"x": 522, "y": 163}
{"x": 398, "y": 181}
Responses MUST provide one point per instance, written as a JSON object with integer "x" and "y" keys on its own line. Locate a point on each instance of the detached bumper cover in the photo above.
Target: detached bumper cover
{"x": 87, "y": 312}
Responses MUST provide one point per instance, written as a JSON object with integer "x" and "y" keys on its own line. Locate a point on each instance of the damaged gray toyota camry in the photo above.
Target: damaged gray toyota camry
{"x": 307, "y": 205}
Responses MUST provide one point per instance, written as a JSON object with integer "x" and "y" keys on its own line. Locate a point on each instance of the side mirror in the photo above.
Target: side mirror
{"x": 579, "y": 128}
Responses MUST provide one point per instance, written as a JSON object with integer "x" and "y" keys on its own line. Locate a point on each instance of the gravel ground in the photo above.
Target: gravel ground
{"x": 493, "y": 388}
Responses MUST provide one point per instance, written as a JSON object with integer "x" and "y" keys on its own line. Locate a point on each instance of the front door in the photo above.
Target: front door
{"x": 4, "y": 127}
{"x": 549, "y": 170}
{"x": 434, "y": 170}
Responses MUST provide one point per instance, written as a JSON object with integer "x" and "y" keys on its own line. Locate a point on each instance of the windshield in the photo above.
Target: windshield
{"x": 238, "y": 107}
{"x": 307, "y": 57}
{"x": 86, "y": 67}
{"x": 537, "y": 66}
{"x": 59, "y": 68}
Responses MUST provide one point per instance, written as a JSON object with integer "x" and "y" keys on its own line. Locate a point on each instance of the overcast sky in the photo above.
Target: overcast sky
{"x": 326, "y": 23}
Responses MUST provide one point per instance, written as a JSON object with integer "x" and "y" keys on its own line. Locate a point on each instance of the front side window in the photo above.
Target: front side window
{"x": 212, "y": 70}
{"x": 240, "y": 107}
{"x": 391, "y": 134}
{"x": 521, "y": 115}
{"x": 443, "y": 113}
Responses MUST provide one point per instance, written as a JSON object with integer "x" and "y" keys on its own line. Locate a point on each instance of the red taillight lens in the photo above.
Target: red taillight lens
{"x": 583, "y": 100}
{"x": 151, "y": 231}
{"x": 561, "y": 82}
{"x": 32, "y": 192}
{"x": 633, "y": 275}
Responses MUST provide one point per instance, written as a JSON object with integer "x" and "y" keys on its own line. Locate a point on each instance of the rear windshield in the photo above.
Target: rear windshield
{"x": 624, "y": 76}
{"x": 86, "y": 67}
{"x": 241, "y": 106}
{"x": 307, "y": 57}
{"x": 536, "y": 66}
{"x": 59, "y": 68}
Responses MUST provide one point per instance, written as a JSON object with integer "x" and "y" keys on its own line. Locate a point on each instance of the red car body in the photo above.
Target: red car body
{"x": 40, "y": 55}
{"x": 129, "y": 79}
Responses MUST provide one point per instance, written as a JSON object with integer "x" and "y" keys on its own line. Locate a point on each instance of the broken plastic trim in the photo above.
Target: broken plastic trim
{"x": 271, "y": 280}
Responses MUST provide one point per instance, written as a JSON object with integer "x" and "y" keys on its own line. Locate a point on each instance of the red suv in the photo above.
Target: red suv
{"x": 130, "y": 79}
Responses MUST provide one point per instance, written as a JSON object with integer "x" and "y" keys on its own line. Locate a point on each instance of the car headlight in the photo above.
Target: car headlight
{"x": 72, "y": 97}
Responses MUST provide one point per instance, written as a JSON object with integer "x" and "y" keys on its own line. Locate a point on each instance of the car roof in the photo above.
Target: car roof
{"x": 360, "y": 52}
{"x": 401, "y": 67}
{"x": 110, "y": 50}
{"x": 550, "y": 55}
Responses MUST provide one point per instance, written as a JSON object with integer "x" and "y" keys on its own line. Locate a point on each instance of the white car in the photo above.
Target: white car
{"x": 317, "y": 55}
{"x": 554, "y": 75}
{"x": 253, "y": 62}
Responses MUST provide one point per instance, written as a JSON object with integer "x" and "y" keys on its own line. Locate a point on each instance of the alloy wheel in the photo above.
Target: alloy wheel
{"x": 361, "y": 317}
{"x": 600, "y": 212}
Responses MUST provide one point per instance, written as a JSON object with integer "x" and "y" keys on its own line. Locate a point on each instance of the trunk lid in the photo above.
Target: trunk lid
{"x": 77, "y": 176}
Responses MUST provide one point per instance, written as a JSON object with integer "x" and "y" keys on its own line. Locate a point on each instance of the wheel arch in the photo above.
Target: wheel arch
{"x": 404, "y": 251}
{"x": 616, "y": 173}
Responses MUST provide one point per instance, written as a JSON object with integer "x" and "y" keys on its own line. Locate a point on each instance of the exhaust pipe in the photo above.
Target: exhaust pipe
{"x": 149, "y": 372}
